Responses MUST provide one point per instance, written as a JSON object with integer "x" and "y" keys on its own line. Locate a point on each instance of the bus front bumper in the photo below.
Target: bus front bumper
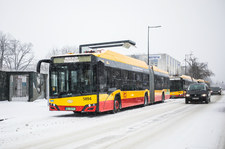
{"x": 86, "y": 108}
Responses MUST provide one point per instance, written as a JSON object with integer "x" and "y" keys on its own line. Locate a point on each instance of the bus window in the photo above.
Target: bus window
{"x": 74, "y": 80}
{"x": 85, "y": 76}
{"x": 124, "y": 74}
{"x": 130, "y": 75}
{"x": 54, "y": 83}
{"x": 63, "y": 81}
{"x": 158, "y": 82}
{"x": 103, "y": 81}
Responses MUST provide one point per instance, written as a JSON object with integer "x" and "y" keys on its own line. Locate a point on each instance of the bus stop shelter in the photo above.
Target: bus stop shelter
{"x": 22, "y": 85}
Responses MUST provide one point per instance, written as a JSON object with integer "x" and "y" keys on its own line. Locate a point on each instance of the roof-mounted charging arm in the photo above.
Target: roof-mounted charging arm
{"x": 125, "y": 43}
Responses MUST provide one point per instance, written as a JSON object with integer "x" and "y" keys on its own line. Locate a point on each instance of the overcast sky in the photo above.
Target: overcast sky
{"x": 187, "y": 25}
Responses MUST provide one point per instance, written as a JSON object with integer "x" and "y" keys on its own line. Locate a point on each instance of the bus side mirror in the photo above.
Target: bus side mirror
{"x": 38, "y": 68}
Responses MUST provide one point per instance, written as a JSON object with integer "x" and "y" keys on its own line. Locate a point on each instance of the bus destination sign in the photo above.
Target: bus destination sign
{"x": 71, "y": 59}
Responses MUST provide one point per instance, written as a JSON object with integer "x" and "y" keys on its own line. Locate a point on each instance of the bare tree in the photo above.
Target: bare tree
{"x": 19, "y": 56}
{"x": 197, "y": 69}
{"x": 4, "y": 42}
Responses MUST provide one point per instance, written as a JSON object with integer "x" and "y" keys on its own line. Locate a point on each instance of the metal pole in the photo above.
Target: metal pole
{"x": 185, "y": 64}
{"x": 148, "y": 45}
{"x": 148, "y": 38}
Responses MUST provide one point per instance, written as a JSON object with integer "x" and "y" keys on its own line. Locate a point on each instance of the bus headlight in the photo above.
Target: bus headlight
{"x": 204, "y": 95}
{"x": 187, "y": 95}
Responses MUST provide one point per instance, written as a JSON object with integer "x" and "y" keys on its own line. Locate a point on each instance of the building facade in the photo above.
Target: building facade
{"x": 164, "y": 62}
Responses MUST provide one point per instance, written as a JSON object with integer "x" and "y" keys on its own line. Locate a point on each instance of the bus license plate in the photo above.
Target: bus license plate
{"x": 70, "y": 109}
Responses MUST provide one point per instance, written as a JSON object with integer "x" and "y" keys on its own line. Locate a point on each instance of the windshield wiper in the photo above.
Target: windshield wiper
{"x": 61, "y": 94}
{"x": 83, "y": 92}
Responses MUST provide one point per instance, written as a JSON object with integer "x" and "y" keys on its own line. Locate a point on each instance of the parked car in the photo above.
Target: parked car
{"x": 198, "y": 92}
{"x": 216, "y": 90}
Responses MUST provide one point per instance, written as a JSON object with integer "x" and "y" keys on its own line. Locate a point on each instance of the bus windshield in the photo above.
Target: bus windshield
{"x": 176, "y": 85}
{"x": 72, "y": 79}
{"x": 193, "y": 87}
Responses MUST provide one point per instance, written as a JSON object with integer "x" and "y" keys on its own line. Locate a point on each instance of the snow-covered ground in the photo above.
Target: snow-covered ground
{"x": 172, "y": 125}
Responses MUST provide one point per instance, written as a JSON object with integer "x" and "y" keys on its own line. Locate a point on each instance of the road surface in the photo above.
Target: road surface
{"x": 171, "y": 125}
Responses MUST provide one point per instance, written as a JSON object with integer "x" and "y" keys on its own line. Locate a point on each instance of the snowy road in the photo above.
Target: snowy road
{"x": 172, "y": 125}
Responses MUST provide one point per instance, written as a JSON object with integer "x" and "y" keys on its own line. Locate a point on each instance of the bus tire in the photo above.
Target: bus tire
{"x": 116, "y": 105}
{"x": 145, "y": 100}
{"x": 163, "y": 97}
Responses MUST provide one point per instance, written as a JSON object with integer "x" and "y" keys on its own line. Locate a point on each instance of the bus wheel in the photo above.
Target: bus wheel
{"x": 145, "y": 100}
{"x": 116, "y": 106}
{"x": 163, "y": 97}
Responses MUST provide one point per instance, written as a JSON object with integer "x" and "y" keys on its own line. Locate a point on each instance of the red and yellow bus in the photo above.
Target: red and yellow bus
{"x": 105, "y": 81}
{"x": 203, "y": 81}
{"x": 178, "y": 85}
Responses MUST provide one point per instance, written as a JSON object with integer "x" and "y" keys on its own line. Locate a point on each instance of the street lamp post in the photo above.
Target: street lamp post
{"x": 148, "y": 38}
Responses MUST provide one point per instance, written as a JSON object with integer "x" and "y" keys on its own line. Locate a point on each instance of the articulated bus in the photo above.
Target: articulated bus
{"x": 200, "y": 81}
{"x": 203, "y": 81}
{"x": 178, "y": 85}
{"x": 105, "y": 81}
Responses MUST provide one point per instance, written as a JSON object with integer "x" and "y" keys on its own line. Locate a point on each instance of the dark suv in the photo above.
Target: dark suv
{"x": 216, "y": 90}
{"x": 198, "y": 92}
